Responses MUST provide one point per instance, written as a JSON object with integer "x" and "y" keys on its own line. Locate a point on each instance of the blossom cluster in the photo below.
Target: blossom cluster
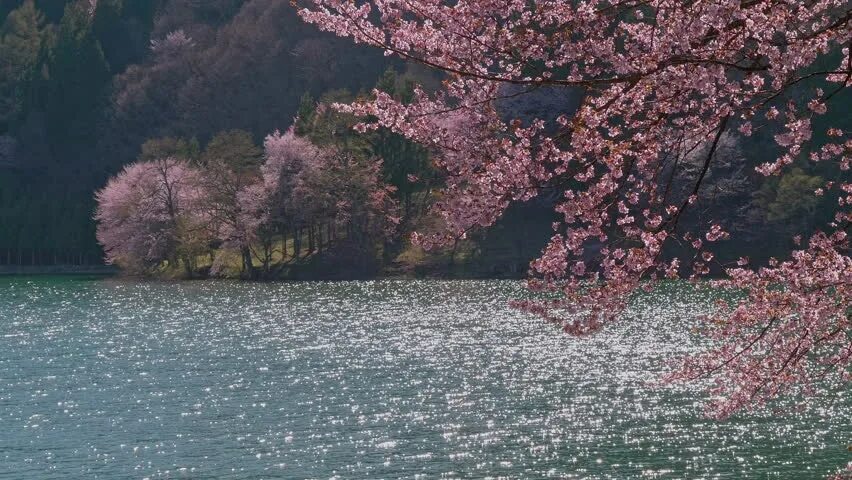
{"x": 660, "y": 81}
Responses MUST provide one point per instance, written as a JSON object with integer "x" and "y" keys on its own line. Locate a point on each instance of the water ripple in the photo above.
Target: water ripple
{"x": 380, "y": 379}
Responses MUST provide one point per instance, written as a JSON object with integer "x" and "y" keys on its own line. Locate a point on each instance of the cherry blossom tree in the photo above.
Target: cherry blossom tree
{"x": 267, "y": 207}
{"x": 348, "y": 191}
{"x": 663, "y": 85}
{"x": 148, "y": 214}
{"x": 304, "y": 186}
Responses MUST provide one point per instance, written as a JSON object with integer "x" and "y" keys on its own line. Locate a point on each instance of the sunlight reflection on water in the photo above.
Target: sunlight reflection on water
{"x": 381, "y": 379}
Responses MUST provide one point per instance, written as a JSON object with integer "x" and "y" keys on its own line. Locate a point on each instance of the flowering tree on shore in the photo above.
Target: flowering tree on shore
{"x": 266, "y": 206}
{"x": 148, "y": 214}
{"x": 179, "y": 206}
{"x": 350, "y": 192}
{"x": 659, "y": 81}
{"x": 317, "y": 189}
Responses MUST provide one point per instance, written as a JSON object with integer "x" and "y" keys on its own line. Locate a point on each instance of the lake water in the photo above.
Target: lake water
{"x": 386, "y": 379}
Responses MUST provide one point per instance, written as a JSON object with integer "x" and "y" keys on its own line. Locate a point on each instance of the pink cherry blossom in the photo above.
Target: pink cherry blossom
{"x": 147, "y": 212}
{"x": 662, "y": 84}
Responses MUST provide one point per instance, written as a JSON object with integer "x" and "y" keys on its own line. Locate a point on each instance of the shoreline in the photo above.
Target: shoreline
{"x": 108, "y": 271}
{"x": 15, "y": 270}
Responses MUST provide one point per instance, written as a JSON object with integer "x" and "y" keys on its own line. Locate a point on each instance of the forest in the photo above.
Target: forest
{"x": 224, "y": 89}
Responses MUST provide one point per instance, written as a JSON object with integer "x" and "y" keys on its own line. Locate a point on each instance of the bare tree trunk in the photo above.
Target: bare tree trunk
{"x": 453, "y": 253}
{"x": 268, "y": 247}
{"x": 284, "y": 247}
{"x": 248, "y": 266}
{"x": 297, "y": 243}
{"x": 187, "y": 266}
{"x": 407, "y": 206}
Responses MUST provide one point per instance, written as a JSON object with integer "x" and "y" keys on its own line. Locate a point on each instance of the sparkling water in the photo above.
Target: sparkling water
{"x": 104, "y": 378}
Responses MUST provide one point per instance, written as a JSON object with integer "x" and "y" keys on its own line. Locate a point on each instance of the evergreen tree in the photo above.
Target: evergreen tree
{"x": 123, "y": 29}
{"x": 157, "y": 148}
{"x": 21, "y": 38}
{"x": 234, "y": 149}
{"x": 306, "y": 114}
{"x": 76, "y": 87}
{"x": 53, "y": 9}
{"x": 403, "y": 159}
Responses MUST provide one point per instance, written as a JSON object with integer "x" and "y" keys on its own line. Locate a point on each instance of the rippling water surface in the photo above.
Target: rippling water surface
{"x": 387, "y": 379}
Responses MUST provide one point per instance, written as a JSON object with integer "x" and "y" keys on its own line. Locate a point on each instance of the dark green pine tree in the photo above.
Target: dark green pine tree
{"x": 53, "y": 9}
{"x": 306, "y": 114}
{"x": 170, "y": 146}
{"x": 387, "y": 82}
{"x": 403, "y": 159}
{"x": 235, "y": 149}
{"x": 123, "y": 28}
{"x": 22, "y": 36}
{"x": 78, "y": 77}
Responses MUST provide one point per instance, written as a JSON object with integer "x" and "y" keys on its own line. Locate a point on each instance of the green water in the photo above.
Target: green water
{"x": 392, "y": 379}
